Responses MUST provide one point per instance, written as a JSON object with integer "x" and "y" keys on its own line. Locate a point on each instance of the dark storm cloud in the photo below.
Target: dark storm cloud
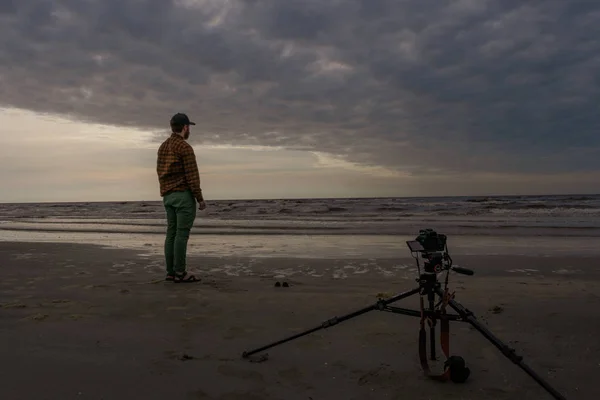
{"x": 427, "y": 86}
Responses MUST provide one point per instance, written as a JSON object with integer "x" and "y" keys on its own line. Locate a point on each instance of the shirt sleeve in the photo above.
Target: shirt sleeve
{"x": 192, "y": 175}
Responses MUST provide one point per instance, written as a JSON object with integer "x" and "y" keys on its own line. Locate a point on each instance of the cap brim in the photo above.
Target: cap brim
{"x": 192, "y": 123}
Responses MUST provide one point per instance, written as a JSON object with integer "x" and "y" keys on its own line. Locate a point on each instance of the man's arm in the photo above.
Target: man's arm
{"x": 192, "y": 175}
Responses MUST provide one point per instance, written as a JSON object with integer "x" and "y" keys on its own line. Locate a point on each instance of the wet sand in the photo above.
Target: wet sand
{"x": 86, "y": 322}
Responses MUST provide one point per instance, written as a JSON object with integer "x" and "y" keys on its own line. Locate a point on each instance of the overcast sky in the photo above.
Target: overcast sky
{"x": 295, "y": 98}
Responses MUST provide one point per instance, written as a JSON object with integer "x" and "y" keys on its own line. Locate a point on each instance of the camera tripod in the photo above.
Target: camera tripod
{"x": 429, "y": 286}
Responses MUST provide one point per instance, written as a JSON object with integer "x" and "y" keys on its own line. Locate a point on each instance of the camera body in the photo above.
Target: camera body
{"x": 432, "y": 246}
{"x": 431, "y": 241}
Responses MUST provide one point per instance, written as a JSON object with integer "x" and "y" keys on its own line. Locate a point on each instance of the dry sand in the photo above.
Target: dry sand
{"x": 85, "y": 322}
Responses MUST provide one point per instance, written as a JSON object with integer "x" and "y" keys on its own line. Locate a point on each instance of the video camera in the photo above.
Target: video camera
{"x": 432, "y": 247}
{"x": 434, "y": 252}
{"x": 431, "y": 240}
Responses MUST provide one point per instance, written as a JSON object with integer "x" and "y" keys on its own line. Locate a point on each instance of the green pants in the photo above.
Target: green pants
{"x": 181, "y": 213}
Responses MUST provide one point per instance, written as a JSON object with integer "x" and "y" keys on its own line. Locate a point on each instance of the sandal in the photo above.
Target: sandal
{"x": 170, "y": 277}
{"x": 185, "y": 278}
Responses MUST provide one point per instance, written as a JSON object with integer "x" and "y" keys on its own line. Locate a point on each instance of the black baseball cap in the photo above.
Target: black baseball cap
{"x": 181, "y": 119}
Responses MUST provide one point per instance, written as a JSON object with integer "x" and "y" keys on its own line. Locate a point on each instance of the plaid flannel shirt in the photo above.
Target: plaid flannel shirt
{"x": 176, "y": 167}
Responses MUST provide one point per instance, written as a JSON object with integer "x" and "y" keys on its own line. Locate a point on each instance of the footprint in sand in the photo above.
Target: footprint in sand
{"x": 232, "y": 270}
{"x": 566, "y": 271}
{"x": 523, "y": 271}
{"x": 383, "y": 271}
{"x": 313, "y": 272}
{"x": 16, "y": 304}
{"x": 284, "y": 273}
{"x": 339, "y": 274}
{"x": 37, "y": 317}
{"x": 60, "y": 301}
{"x": 96, "y": 286}
{"x": 362, "y": 269}
{"x": 23, "y": 256}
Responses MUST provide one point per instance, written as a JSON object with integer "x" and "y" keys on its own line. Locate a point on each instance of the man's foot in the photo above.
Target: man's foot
{"x": 170, "y": 277}
{"x": 185, "y": 278}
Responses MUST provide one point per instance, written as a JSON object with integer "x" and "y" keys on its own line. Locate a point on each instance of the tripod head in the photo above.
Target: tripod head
{"x": 433, "y": 249}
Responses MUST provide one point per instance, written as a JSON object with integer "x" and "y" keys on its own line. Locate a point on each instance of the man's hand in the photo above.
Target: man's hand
{"x": 201, "y": 205}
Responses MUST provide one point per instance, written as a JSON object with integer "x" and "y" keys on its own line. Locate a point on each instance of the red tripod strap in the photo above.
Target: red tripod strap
{"x": 444, "y": 341}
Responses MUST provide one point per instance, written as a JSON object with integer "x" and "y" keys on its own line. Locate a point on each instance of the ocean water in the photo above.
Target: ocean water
{"x": 337, "y": 227}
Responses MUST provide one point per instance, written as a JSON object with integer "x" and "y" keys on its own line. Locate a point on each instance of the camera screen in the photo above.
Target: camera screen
{"x": 413, "y": 245}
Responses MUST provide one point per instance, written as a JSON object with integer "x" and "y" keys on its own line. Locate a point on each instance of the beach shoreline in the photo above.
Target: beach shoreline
{"x": 77, "y": 312}
{"x": 319, "y": 246}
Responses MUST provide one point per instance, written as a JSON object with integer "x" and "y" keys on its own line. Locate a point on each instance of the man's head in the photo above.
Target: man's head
{"x": 180, "y": 124}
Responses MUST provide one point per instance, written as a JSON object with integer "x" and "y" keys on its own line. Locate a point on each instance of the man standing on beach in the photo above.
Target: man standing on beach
{"x": 179, "y": 181}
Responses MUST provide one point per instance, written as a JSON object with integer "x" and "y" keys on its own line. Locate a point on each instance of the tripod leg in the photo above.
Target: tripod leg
{"x": 336, "y": 320}
{"x": 431, "y": 298}
{"x": 507, "y": 351}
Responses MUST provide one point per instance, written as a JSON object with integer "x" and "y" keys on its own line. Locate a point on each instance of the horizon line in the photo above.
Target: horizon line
{"x": 311, "y": 198}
